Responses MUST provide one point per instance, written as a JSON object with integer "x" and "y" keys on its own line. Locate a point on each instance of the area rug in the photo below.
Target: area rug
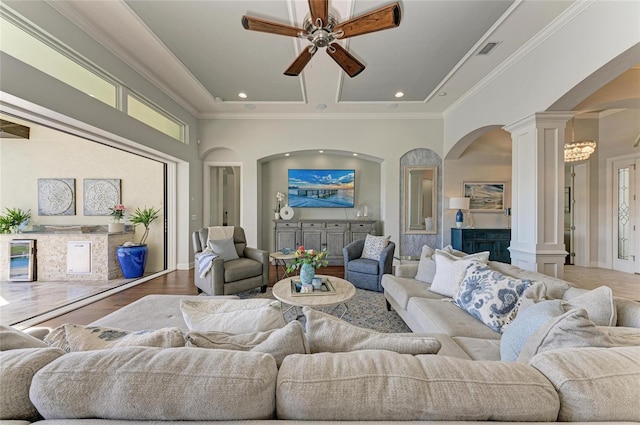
{"x": 366, "y": 309}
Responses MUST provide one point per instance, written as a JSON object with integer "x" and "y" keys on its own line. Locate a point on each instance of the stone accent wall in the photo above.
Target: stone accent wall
{"x": 52, "y": 255}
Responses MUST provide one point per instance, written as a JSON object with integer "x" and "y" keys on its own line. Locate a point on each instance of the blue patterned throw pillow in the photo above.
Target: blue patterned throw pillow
{"x": 490, "y": 296}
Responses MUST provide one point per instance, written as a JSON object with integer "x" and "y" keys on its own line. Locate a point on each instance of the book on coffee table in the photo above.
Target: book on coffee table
{"x": 326, "y": 288}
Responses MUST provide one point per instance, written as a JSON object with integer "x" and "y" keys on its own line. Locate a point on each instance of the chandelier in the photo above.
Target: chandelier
{"x": 578, "y": 151}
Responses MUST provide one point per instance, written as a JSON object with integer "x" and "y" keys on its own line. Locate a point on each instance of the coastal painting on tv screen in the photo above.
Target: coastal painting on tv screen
{"x": 321, "y": 188}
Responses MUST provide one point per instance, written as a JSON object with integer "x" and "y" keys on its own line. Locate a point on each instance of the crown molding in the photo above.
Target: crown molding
{"x": 323, "y": 116}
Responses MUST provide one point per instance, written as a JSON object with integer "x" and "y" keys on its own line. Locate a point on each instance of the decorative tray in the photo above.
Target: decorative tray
{"x": 326, "y": 289}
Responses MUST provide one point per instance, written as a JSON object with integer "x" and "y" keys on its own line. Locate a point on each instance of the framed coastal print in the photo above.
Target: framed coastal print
{"x": 485, "y": 196}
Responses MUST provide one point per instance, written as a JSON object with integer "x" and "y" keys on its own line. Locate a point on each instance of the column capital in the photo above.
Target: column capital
{"x": 553, "y": 117}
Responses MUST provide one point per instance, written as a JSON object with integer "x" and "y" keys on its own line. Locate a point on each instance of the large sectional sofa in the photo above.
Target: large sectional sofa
{"x": 333, "y": 371}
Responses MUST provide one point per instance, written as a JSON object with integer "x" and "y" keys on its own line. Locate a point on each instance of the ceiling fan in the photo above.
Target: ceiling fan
{"x": 322, "y": 30}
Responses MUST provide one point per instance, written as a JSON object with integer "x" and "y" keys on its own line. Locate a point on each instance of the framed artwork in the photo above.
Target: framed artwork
{"x": 100, "y": 195}
{"x": 485, "y": 196}
{"x": 56, "y": 196}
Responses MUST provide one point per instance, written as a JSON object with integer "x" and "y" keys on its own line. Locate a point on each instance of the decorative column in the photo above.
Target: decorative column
{"x": 537, "y": 192}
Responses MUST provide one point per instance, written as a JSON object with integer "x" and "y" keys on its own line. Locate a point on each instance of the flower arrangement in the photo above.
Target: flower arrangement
{"x": 279, "y": 199}
{"x": 303, "y": 256}
{"x": 117, "y": 212}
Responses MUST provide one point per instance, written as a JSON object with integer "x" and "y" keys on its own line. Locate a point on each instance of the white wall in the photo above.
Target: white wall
{"x": 252, "y": 142}
{"x": 51, "y": 154}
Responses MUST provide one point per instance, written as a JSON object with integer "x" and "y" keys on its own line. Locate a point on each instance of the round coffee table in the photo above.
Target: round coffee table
{"x": 344, "y": 292}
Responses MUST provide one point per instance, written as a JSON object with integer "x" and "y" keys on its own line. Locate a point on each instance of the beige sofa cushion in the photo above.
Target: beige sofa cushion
{"x": 382, "y": 385}
{"x": 598, "y": 303}
{"x": 71, "y": 337}
{"x": 17, "y": 368}
{"x": 10, "y": 339}
{"x": 278, "y": 342}
{"x": 232, "y": 316}
{"x": 594, "y": 384}
{"x": 327, "y": 333}
{"x": 138, "y": 383}
{"x": 442, "y": 316}
{"x": 402, "y": 289}
{"x": 479, "y": 348}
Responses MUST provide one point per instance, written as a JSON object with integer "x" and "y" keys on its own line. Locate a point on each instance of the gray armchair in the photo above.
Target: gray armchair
{"x": 249, "y": 271}
{"x": 363, "y": 272}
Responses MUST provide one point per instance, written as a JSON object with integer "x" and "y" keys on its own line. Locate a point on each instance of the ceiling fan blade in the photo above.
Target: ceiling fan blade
{"x": 301, "y": 61}
{"x": 319, "y": 10}
{"x": 348, "y": 63}
{"x": 380, "y": 19}
{"x": 257, "y": 24}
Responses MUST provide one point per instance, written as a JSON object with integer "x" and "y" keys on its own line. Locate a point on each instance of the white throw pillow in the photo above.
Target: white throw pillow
{"x": 598, "y": 303}
{"x": 373, "y": 246}
{"x": 450, "y": 271}
{"x": 232, "y": 316}
{"x": 225, "y": 248}
{"x": 426, "y": 265}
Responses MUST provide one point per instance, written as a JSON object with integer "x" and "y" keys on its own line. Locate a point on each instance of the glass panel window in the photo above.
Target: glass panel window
{"x": 154, "y": 118}
{"x": 32, "y": 51}
{"x": 623, "y": 214}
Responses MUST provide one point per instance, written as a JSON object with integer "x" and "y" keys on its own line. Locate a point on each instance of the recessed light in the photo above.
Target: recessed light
{"x": 399, "y": 94}
{"x": 242, "y": 95}
{"x": 320, "y": 151}
{"x": 392, "y": 105}
{"x": 250, "y": 106}
{"x": 355, "y": 154}
{"x": 442, "y": 93}
{"x": 287, "y": 154}
{"x": 321, "y": 106}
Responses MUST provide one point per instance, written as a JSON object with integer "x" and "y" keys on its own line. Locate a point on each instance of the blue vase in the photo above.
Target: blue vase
{"x": 132, "y": 260}
{"x": 307, "y": 272}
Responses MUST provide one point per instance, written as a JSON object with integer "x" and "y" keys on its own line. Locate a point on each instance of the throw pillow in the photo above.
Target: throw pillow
{"x": 451, "y": 250}
{"x": 490, "y": 296}
{"x": 278, "y": 342}
{"x": 450, "y": 271}
{"x": 85, "y": 338}
{"x": 225, "y": 248}
{"x": 373, "y": 246}
{"x": 598, "y": 304}
{"x": 11, "y": 339}
{"x": 327, "y": 333}
{"x": 426, "y": 265}
{"x": 570, "y": 330}
{"x": 232, "y": 316}
{"x": 525, "y": 324}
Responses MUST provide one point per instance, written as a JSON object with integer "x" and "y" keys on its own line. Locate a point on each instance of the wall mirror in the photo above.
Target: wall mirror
{"x": 420, "y": 200}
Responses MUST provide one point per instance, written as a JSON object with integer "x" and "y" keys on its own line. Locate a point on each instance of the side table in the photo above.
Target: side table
{"x": 280, "y": 261}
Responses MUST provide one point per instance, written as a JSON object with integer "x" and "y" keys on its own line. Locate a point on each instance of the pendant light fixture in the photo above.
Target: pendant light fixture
{"x": 580, "y": 150}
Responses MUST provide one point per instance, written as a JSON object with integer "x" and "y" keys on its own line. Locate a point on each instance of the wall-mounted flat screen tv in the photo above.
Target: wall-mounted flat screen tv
{"x": 310, "y": 188}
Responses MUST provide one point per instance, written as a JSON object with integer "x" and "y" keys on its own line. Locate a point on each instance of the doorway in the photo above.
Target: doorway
{"x": 577, "y": 214}
{"x": 222, "y": 194}
{"x": 625, "y": 217}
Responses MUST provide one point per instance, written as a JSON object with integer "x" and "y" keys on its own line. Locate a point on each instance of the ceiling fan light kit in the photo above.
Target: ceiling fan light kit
{"x": 323, "y": 31}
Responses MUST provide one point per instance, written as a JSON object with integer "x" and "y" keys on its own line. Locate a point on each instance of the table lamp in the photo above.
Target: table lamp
{"x": 459, "y": 204}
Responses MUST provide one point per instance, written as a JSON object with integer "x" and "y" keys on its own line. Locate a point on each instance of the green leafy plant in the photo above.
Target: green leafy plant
{"x": 144, "y": 216}
{"x": 13, "y": 219}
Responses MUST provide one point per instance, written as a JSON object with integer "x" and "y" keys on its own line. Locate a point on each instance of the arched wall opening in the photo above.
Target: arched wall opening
{"x": 273, "y": 178}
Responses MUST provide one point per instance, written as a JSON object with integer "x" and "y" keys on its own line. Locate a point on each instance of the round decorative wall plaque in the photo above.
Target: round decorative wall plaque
{"x": 286, "y": 212}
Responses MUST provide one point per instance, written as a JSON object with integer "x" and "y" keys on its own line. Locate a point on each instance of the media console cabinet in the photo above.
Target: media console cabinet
{"x": 319, "y": 234}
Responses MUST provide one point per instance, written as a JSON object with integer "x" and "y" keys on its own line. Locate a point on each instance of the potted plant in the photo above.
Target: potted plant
{"x": 308, "y": 260}
{"x": 13, "y": 220}
{"x": 117, "y": 212}
{"x": 132, "y": 257}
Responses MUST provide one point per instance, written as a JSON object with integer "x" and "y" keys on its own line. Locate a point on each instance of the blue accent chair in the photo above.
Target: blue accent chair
{"x": 363, "y": 272}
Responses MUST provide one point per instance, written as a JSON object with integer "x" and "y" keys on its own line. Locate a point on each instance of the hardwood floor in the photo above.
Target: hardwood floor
{"x": 181, "y": 283}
